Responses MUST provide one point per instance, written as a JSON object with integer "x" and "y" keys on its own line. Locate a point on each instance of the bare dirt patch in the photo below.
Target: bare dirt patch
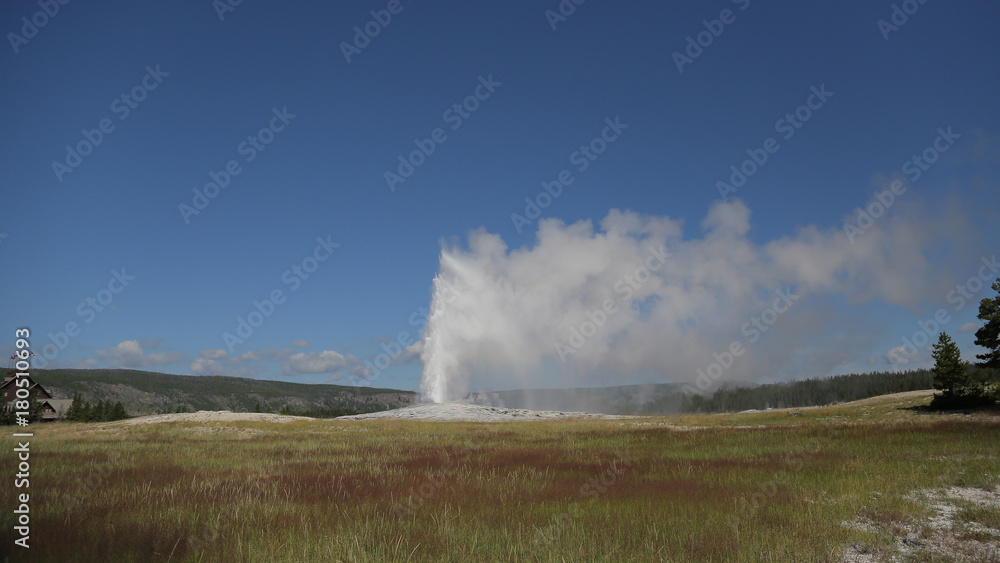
{"x": 209, "y": 416}
{"x": 951, "y": 533}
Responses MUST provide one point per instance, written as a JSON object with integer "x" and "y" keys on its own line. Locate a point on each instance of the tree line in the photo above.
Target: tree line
{"x": 809, "y": 392}
{"x": 103, "y": 411}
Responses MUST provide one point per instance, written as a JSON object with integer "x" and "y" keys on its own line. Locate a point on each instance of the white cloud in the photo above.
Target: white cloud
{"x": 126, "y": 354}
{"x": 899, "y": 355}
{"x": 326, "y": 361}
{"x": 247, "y": 364}
{"x": 246, "y": 357}
{"x": 164, "y": 359}
{"x": 299, "y": 343}
{"x": 214, "y": 354}
{"x": 129, "y": 354}
{"x": 205, "y": 366}
{"x": 969, "y": 327}
{"x": 270, "y": 354}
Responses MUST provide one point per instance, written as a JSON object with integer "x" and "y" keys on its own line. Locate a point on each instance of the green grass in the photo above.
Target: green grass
{"x": 751, "y": 487}
{"x": 986, "y": 515}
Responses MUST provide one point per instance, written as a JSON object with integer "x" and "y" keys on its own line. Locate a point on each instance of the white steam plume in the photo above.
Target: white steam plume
{"x": 506, "y": 319}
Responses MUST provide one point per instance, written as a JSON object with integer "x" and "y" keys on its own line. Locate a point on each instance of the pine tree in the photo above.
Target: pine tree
{"x": 100, "y": 411}
{"x": 988, "y": 336}
{"x": 953, "y": 377}
{"x": 34, "y": 407}
{"x": 74, "y": 414}
{"x": 86, "y": 412}
{"x": 6, "y": 415}
{"x": 949, "y": 373}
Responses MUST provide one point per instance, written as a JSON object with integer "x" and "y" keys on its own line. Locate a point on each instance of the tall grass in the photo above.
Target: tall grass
{"x": 755, "y": 487}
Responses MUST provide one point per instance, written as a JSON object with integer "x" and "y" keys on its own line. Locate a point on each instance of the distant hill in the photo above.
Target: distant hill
{"x": 144, "y": 392}
{"x": 149, "y": 392}
{"x": 816, "y": 392}
{"x": 729, "y": 397}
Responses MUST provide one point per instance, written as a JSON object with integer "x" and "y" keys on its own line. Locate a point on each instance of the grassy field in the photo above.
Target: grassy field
{"x": 742, "y": 487}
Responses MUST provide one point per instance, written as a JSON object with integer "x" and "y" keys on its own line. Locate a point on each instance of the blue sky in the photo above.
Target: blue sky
{"x": 207, "y": 83}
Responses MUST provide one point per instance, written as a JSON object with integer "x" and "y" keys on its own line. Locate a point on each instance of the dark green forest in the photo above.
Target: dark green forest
{"x": 816, "y": 392}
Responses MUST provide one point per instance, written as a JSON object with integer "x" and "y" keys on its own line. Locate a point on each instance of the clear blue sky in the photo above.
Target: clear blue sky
{"x": 322, "y": 174}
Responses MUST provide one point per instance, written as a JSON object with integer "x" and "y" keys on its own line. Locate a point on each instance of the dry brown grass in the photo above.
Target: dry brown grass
{"x": 753, "y": 487}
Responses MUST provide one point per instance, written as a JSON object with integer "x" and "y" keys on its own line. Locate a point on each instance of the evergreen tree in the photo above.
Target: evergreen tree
{"x": 74, "y": 413}
{"x": 257, "y": 408}
{"x": 100, "y": 411}
{"x": 86, "y": 412}
{"x": 949, "y": 373}
{"x": 34, "y": 407}
{"x": 118, "y": 412}
{"x": 6, "y": 415}
{"x": 953, "y": 377}
{"x": 988, "y": 336}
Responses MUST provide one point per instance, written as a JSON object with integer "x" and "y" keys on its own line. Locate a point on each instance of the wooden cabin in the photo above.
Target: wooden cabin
{"x": 9, "y": 387}
{"x": 52, "y": 409}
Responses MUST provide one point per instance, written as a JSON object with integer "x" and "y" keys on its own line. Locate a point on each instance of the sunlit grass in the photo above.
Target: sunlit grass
{"x": 745, "y": 487}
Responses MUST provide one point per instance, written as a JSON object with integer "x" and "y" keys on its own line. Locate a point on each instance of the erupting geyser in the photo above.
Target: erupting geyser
{"x": 437, "y": 362}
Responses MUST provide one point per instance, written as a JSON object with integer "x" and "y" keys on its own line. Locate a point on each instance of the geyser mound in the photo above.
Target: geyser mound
{"x": 465, "y": 412}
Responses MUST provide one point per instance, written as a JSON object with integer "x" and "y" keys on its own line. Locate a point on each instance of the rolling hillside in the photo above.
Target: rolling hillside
{"x": 145, "y": 392}
{"x": 729, "y": 397}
